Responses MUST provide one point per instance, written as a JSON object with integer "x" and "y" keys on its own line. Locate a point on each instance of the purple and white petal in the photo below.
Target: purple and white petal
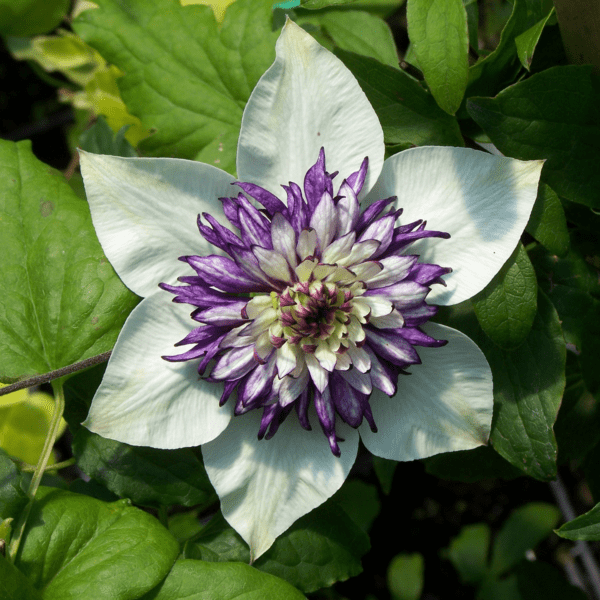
{"x": 266, "y": 485}
{"x": 144, "y": 400}
{"x": 482, "y": 201}
{"x": 445, "y": 404}
{"x": 144, "y": 211}
{"x": 306, "y": 100}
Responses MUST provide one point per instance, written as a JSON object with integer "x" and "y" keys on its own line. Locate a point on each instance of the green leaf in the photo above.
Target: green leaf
{"x": 14, "y": 585}
{"x": 357, "y": 31}
{"x": 540, "y": 581}
{"x": 13, "y": 497}
{"x": 468, "y": 552}
{"x": 360, "y": 502}
{"x": 494, "y": 72}
{"x": 573, "y": 286}
{"x": 31, "y": 17}
{"x": 319, "y": 549}
{"x": 438, "y": 33}
{"x": 147, "y": 476}
{"x": 405, "y": 576}
{"x": 221, "y": 152}
{"x": 407, "y": 113}
{"x": 472, "y": 11}
{"x": 527, "y": 41}
{"x": 551, "y": 115}
{"x": 197, "y": 580}
{"x": 186, "y": 79}
{"x": 471, "y": 465}
{"x": 506, "y": 307}
{"x": 577, "y": 427}
{"x": 547, "y": 223}
{"x": 524, "y": 529}
{"x": 77, "y": 547}
{"x": 184, "y": 526}
{"x": 384, "y": 469}
{"x": 100, "y": 139}
{"x": 528, "y": 387}
{"x": 585, "y": 527}
{"x": 60, "y": 300}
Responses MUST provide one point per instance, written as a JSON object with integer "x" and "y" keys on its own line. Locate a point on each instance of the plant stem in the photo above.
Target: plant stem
{"x": 46, "y": 377}
{"x": 59, "y": 407}
{"x": 26, "y": 468}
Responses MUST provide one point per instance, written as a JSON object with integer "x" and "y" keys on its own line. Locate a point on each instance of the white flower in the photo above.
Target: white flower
{"x": 331, "y": 300}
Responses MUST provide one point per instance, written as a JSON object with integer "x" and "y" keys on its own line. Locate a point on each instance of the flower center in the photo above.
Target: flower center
{"x": 314, "y": 310}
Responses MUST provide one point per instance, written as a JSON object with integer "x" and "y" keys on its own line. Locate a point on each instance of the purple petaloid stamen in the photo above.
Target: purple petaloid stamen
{"x": 284, "y": 326}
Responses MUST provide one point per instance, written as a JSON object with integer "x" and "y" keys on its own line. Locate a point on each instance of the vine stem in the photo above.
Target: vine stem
{"x": 25, "y": 468}
{"x": 59, "y": 407}
{"x": 46, "y": 377}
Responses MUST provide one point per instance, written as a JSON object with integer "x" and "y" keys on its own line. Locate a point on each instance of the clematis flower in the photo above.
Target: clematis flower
{"x": 310, "y": 293}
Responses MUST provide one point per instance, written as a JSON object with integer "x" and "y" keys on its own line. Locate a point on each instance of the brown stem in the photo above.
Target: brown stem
{"x": 46, "y": 377}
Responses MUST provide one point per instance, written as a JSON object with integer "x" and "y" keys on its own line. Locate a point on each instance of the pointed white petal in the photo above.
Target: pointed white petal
{"x": 324, "y": 221}
{"x": 360, "y": 251}
{"x": 377, "y": 306}
{"x": 359, "y": 381}
{"x": 348, "y": 209}
{"x": 283, "y": 238}
{"x": 267, "y": 485}
{"x": 307, "y": 100}
{"x": 273, "y": 264}
{"x": 339, "y": 249}
{"x": 391, "y": 321}
{"x": 292, "y": 387}
{"x": 145, "y": 211}
{"x": 327, "y": 359}
{"x": 286, "y": 359}
{"x": 360, "y": 358}
{"x": 445, "y": 404}
{"x": 482, "y": 201}
{"x": 144, "y": 400}
{"x": 394, "y": 269}
{"x": 307, "y": 243}
{"x": 318, "y": 374}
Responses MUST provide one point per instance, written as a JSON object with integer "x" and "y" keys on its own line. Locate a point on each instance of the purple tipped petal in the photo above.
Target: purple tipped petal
{"x": 373, "y": 211}
{"x": 234, "y": 364}
{"x": 357, "y": 179}
{"x": 347, "y": 401}
{"x": 197, "y": 293}
{"x": 317, "y": 182}
{"x": 427, "y": 274}
{"x": 392, "y": 347}
{"x": 271, "y": 202}
{"x": 418, "y": 338}
{"x": 302, "y": 405}
{"x": 223, "y": 273}
{"x": 418, "y": 315}
{"x": 380, "y": 230}
{"x": 326, "y": 413}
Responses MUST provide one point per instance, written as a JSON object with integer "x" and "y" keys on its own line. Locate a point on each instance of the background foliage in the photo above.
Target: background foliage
{"x": 169, "y": 78}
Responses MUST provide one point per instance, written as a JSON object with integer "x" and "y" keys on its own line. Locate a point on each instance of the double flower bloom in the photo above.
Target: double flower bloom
{"x": 312, "y": 304}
